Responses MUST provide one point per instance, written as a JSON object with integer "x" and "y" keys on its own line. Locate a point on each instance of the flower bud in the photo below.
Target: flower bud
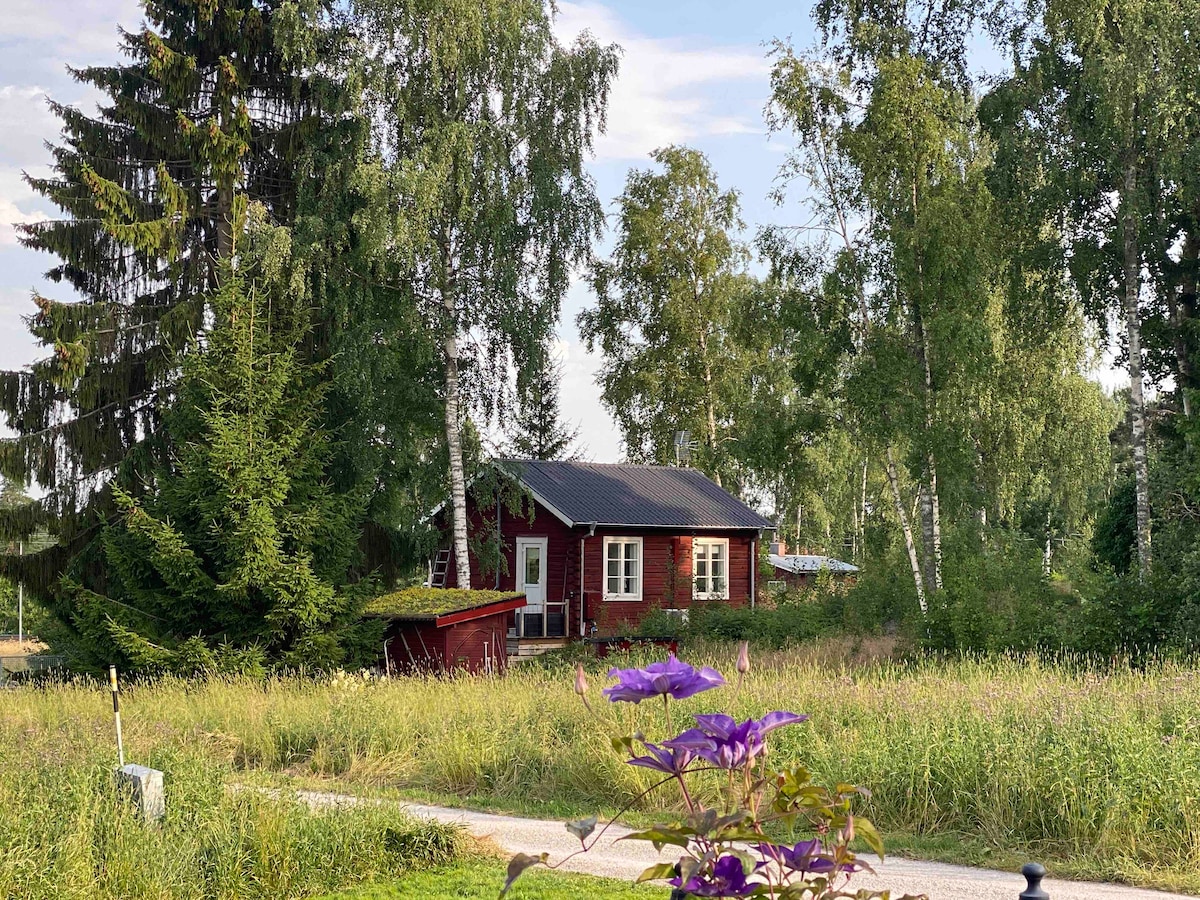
{"x": 743, "y": 658}
{"x": 581, "y": 685}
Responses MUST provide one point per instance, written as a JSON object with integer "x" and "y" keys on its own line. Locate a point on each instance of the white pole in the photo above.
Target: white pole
{"x": 20, "y": 604}
{"x": 112, "y": 681}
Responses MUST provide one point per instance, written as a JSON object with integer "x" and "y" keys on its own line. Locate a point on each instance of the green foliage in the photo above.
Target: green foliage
{"x": 243, "y": 553}
{"x": 1115, "y": 536}
{"x": 207, "y": 102}
{"x": 666, "y": 304}
{"x": 429, "y": 603}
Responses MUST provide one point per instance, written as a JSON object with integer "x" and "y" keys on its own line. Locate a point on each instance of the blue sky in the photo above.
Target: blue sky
{"x": 693, "y": 72}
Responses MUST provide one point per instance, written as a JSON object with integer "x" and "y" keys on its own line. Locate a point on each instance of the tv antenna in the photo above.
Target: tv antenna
{"x": 684, "y": 445}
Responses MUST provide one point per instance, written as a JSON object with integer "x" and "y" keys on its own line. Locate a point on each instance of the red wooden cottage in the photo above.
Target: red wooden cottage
{"x": 597, "y": 546}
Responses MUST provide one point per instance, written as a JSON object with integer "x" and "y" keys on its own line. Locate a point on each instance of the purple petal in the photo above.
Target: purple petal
{"x": 773, "y": 720}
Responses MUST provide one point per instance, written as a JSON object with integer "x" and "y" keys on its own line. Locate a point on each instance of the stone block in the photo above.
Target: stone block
{"x": 145, "y": 786}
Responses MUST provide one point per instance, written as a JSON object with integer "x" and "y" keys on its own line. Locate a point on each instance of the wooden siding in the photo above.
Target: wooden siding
{"x": 666, "y": 558}
{"x": 664, "y": 552}
{"x": 476, "y": 646}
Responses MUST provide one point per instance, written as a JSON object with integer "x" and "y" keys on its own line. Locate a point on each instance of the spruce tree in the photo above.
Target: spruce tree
{"x": 215, "y": 97}
{"x": 240, "y": 553}
{"x": 537, "y": 429}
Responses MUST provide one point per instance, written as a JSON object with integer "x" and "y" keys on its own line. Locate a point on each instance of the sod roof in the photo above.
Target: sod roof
{"x": 427, "y": 604}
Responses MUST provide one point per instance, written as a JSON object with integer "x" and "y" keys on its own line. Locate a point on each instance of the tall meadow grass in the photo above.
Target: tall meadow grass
{"x": 1098, "y": 766}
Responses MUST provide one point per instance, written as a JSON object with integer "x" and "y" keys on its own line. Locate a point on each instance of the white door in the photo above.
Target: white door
{"x": 531, "y": 579}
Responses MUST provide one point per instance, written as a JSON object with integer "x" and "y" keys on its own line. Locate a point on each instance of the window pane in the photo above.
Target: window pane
{"x": 614, "y": 568}
{"x": 614, "y": 584}
{"x": 701, "y": 550}
{"x": 717, "y": 551}
{"x": 533, "y": 565}
{"x": 614, "y": 550}
{"x": 631, "y": 586}
{"x": 718, "y": 584}
{"x": 718, "y": 567}
{"x": 631, "y": 550}
{"x": 701, "y": 587}
{"x": 701, "y": 569}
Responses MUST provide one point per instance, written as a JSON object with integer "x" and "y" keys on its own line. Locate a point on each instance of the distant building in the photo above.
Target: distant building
{"x": 799, "y": 570}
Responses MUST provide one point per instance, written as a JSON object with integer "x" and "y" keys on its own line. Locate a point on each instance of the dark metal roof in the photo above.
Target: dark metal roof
{"x": 582, "y": 493}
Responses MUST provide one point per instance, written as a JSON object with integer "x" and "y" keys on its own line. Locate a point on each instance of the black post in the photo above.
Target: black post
{"x": 1034, "y": 873}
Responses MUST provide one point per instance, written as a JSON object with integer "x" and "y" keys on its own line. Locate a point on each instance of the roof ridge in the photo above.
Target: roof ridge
{"x": 614, "y": 465}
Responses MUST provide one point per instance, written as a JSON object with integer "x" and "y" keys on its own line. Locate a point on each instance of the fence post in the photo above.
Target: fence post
{"x": 1034, "y": 873}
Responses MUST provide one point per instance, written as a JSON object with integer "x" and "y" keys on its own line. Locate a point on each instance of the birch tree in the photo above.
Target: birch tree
{"x": 485, "y": 121}
{"x": 664, "y": 305}
{"x": 1091, "y": 119}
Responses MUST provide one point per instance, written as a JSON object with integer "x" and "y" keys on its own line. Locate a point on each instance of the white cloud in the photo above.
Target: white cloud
{"x": 668, "y": 91}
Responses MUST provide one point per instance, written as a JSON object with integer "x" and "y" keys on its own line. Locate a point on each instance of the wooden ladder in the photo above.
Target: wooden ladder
{"x": 437, "y": 572}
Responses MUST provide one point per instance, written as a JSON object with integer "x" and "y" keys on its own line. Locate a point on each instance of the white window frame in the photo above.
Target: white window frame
{"x": 710, "y": 595}
{"x": 620, "y": 596}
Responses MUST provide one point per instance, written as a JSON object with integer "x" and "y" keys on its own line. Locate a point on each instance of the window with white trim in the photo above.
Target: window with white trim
{"x": 622, "y": 568}
{"x": 710, "y": 568}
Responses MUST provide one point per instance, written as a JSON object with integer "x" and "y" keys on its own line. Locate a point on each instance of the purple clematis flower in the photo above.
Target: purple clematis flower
{"x": 671, "y": 678}
{"x": 805, "y": 857}
{"x": 728, "y": 744}
{"x": 669, "y": 760}
{"x": 727, "y": 879}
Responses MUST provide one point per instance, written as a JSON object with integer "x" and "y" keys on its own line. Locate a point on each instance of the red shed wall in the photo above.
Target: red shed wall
{"x": 415, "y": 646}
{"x": 480, "y": 645}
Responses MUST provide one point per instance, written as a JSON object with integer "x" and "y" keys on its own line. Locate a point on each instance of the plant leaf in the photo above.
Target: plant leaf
{"x": 582, "y": 828}
{"x": 865, "y": 830}
{"x": 519, "y": 864}
{"x": 657, "y": 872}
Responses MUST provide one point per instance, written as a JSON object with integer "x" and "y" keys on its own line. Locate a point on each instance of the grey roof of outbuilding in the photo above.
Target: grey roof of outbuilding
{"x": 583, "y": 493}
{"x": 800, "y": 563}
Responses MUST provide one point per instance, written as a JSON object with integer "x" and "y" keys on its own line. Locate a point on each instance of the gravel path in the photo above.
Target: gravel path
{"x": 627, "y": 859}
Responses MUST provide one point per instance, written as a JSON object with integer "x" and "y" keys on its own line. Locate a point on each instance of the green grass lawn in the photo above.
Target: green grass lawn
{"x": 481, "y": 880}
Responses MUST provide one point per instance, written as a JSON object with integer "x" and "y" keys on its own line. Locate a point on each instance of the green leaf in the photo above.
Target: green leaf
{"x": 657, "y": 872}
{"x": 518, "y": 864}
{"x": 864, "y": 829}
{"x": 659, "y": 837}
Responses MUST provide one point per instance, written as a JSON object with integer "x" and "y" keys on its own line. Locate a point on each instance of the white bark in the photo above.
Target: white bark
{"x": 1133, "y": 332}
{"x": 909, "y": 544}
{"x": 458, "y": 480}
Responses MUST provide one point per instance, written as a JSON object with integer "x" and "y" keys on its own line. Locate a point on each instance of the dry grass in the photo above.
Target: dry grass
{"x": 14, "y": 648}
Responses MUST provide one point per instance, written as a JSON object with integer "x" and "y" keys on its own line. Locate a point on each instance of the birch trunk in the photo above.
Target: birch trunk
{"x": 931, "y": 511}
{"x": 710, "y": 408}
{"x": 905, "y": 526}
{"x": 931, "y": 515}
{"x": 1185, "y": 311}
{"x": 458, "y": 479}
{"x": 1048, "y": 551}
{"x": 1133, "y": 332}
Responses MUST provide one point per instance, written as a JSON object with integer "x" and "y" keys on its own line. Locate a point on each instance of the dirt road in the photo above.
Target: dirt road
{"x": 626, "y": 860}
